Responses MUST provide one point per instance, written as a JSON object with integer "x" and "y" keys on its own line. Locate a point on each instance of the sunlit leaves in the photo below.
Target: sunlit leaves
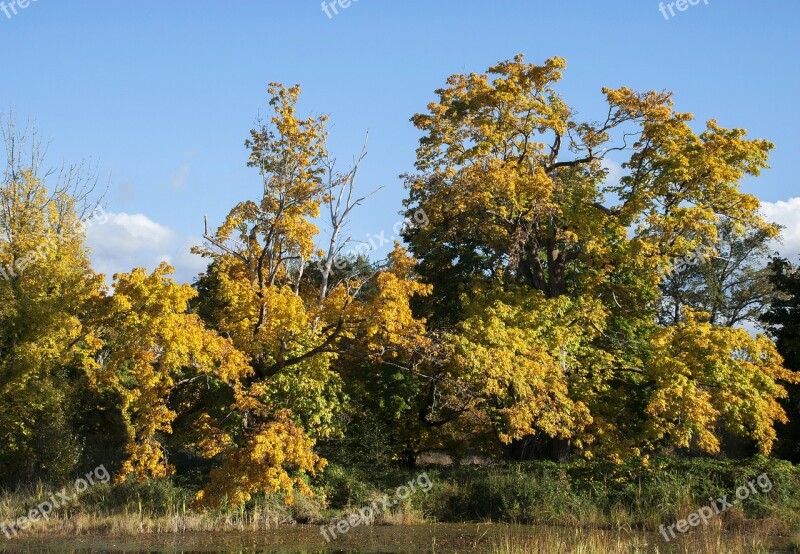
{"x": 48, "y": 300}
{"x": 706, "y": 376}
{"x": 520, "y": 201}
{"x": 151, "y": 343}
{"x": 296, "y": 331}
{"x": 273, "y": 460}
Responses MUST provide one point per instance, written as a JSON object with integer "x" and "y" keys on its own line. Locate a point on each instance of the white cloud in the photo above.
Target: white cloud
{"x": 126, "y": 241}
{"x": 615, "y": 171}
{"x": 179, "y": 178}
{"x": 787, "y": 214}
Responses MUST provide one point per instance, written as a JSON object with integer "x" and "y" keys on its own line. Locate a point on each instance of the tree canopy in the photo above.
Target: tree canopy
{"x": 542, "y": 298}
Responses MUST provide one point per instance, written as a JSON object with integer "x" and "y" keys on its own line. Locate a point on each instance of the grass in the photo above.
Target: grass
{"x": 590, "y": 541}
{"x": 151, "y": 508}
{"x": 579, "y": 503}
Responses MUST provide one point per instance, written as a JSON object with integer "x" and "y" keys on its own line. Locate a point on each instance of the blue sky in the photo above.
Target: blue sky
{"x": 161, "y": 94}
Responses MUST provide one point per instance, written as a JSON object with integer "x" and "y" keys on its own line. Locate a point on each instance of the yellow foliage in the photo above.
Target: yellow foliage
{"x": 519, "y": 357}
{"x": 706, "y": 376}
{"x": 153, "y": 342}
{"x": 268, "y": 462}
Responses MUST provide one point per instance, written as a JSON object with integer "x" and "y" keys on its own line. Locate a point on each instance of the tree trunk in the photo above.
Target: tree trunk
{"x": 561, "y": 450}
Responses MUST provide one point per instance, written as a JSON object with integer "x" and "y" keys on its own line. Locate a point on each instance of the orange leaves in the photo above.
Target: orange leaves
{"x": 479, "y": 118}
{"x": 145, "y": 460}
{"x": 390, "y": 324}
{"x": 272, "y": 460}
{"x": 152, "y": 342}
{"x": 212, "y": 439}
{"x": 289, "y": 154}
{"x": 291, "y": 322}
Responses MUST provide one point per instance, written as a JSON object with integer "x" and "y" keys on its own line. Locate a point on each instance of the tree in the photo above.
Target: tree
{"x": 151, "y": 346}
{"x": 293, "y": 328}
{"x": 783, "y": 322}
{"x": 729, "y": 279}
{"x": 521, "y": 206}
{"x": 707, "y": 376}
{"x": 48, "y": 292}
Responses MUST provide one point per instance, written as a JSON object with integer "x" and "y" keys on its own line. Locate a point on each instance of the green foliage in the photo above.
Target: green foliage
{"x": 155, "y": 498}
{"x": 783, "y": 321}
{"x": 579, "y": 493}
{"x": 728, "y": 279}
{"x": 346, "y": 486}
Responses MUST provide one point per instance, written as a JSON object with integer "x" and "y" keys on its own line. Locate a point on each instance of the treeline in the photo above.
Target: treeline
{"x": 541, "y": 308}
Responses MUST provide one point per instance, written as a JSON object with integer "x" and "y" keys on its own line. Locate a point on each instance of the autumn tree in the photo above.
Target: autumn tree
{"x": 525, "y": 220}
{"x": 47, "y": 294}
{"x": 149, "y": 347}
{"x": 294, "y": 329}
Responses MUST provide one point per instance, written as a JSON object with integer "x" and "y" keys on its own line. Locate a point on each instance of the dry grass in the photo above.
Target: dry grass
{"x": 120, "y": 525}
{"x": 404, "y": 514}
{"x": 588, "y": 541}
{"x": 79, "y": 518}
